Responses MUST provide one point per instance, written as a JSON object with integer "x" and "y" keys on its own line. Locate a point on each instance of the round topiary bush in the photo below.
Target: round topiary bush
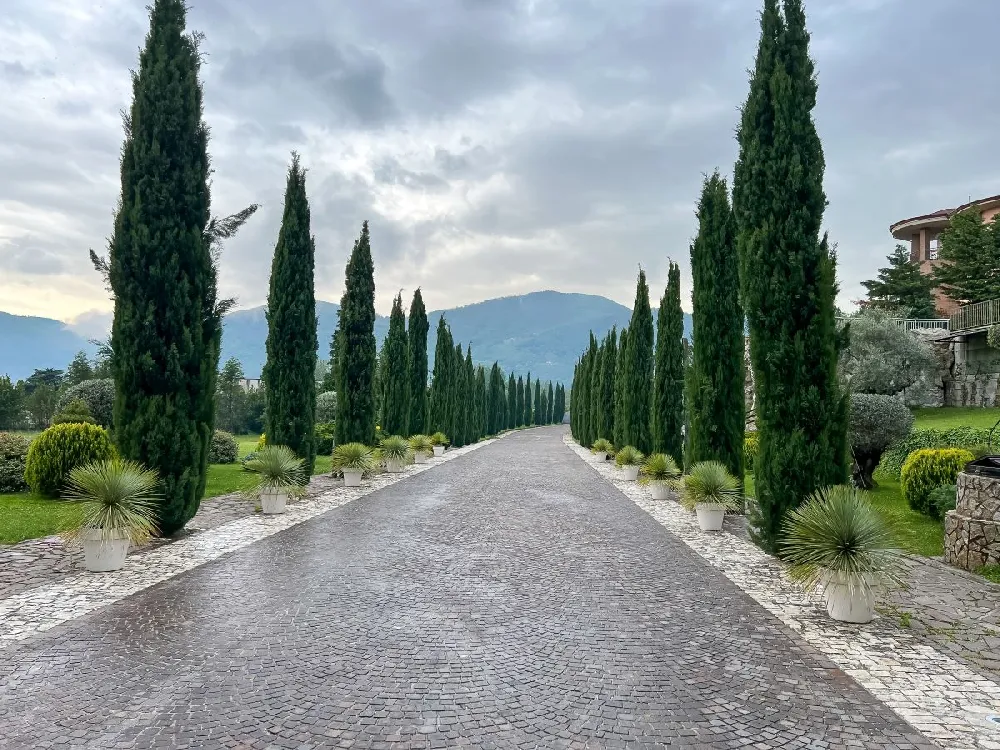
{"x": 59, "y": 450}
{"x": 223, "y": 449}
{"x": 927, "y": 469}
{"x": 876, "y": 423}
{"x": 326, "y": 407}
{"x": 13, "y": 454}
{"x": 98, "y": 395}
{"x": 76, "y": 411}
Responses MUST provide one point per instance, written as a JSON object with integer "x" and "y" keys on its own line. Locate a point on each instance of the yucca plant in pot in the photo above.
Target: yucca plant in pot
{"x": 629, "y": 459}
{"x": 440, "y": 441}
{"x": 280, "y": 476}
{"x": 839, "y": 542}
{"x": 117, "y": 503}
{"x": 601, "y": 448}
{"x": 422, "y": 448}
{"x": 659, "y": 471}
{"x": 394, "y": 451}
{"x": 353, "y": 459}
{"x": 710, "y": 490}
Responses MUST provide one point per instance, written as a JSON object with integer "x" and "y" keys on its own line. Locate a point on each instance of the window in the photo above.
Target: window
{"x": 933, "y": 248}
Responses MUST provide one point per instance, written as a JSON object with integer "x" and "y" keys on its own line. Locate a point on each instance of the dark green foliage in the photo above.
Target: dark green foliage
{"x": 537, "y": 414}
{"x": 12, "y": 403}
{"x": 469, "y": 375}
{"x": 396, "y": 411}
{"x": 98, "y": 395}
{"x": 639, "y": 372}
{"x": 511, "y": 402}
{"x": 668, "y": 388}
{"x": 79, "y": 370}
{"x": 902, "y": 287}
{"x": 957, "y": 437}
{"x": 605, "y": 416}
{"x": 168, "y": 320}
{"x": 357, "y": 356}
{"x": 618, "y": 426}
{"x": 223, "y": 449}
{"x": 442, "y": 407}
{"x": 13, "y": 456}
{"x": 324, "y": 432}
{"x": 496, "y": 406}
{"x": 716, "y": 407}
{"x": 481, "y": 399}
{"x": 972, "y": 251}
{"x": 519, "y": 405}
{"x": 595, "y": 366}
{"x": 527, "y": 401}
{"x": 230, "y": 398}
{"x": 787, "y": 277}
{"x": 60, "y": 449}
{"x": 417, "y": 363}
{"x": 75, "y": 411}
{"x": 942, "y": 499}
{"x": 461, "y": 430}
{"x": 290, "y": 369}
{"x": 550, "y": 404}
{"x": 331, "y": 380}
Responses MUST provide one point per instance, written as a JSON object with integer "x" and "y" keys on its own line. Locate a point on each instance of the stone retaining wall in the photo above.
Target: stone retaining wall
{"x": 972, "y": 530}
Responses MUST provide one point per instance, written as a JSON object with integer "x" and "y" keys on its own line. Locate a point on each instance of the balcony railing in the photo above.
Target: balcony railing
{"x": 916, "y": 324}
{"x": 979, "y": 315}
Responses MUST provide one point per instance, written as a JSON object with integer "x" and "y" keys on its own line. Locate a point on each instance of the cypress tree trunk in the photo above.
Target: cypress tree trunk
{"x": 290, "y": 369}
{"x": 639, "y": 371}
{"x": 787, "y": 275}
{"x": 668, "y": 392}
{"x": 527, "y": 401}
{"x": 356, "y": 398}
{"x": 168, "y": 319}
{"x": 441, "y": 397}
{"x": 618, "y": 437}
{"x": 397, "y": 373}
{"x": 715, "y": 405}
{"x": 416, "y": 423}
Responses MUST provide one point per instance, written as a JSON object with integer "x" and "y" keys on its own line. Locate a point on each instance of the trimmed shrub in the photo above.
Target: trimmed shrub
{"x": 876, "y": 422}
{"x": 223, "y": 449}
{"x": 75, "y": 412}
{"x": 13, "y": 454}
{"x": 326, "y": 409}
{"x": 324, "y": 438}
{"x": 943, "y": 498}
{"x": 98, "y": 395}
{"x": 59, "y": 450}
{"x": 751, "y": 444}
{"x": 261, "y": 442}
{"x": 958, "y": 437}
{"x": 927, "y": 469}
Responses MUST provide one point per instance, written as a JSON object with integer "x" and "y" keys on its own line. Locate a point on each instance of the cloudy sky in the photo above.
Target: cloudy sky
{"x": 496, "y": 146}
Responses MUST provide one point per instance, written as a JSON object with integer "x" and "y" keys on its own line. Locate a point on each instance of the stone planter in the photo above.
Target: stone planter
{"x": 352, "y": 477}
{"x": 394, "y": 466}
{"x": 710, "y": 516}
{"x": 438, "y": 451}
{"x": 631, "y": 473}
{"x": 101, "y": 555}
{"x": 601, "y": 455}
{"x": 972, "y": 530}
{"x": 847, "y": 605}
{"x": 419, "y": 458}
{"x": 272, "y": 501}
{"x": 659, "y": 490}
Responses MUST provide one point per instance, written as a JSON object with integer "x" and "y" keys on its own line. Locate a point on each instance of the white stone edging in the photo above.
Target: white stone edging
{"x": 939, "y": 696}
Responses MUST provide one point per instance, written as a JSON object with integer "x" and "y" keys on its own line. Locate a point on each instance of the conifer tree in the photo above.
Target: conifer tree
{"x": 461, "y": 428}
{"x": 358, "y": 356}
{"x": 902, "y": 286}
{"x": 527, "y": 401}
{"x": 168, "y": 317}
{"x": 481, "y": 401}
{"x": 290, "y": 369}
{"x": 519, "y": 402}
{"x": 668, "y": 407}
{"x": 441, "y": 386}
{"x": 397, "y": 376}
{"x": 715, "y": 404}
{"x": 538, "y": 402}
{"x": 469, "y": 373}
{"x": 416, "y": 424}
{"x": 609, "y": 360}
{"x": 331, "y": 382}
{"x": 618, "y": 429}
{"x": 787, "y": 277}
{"x": 511, "y": 402}
{"x": 639, "y": 371}
{"x": 594, "y": 370}
{"x": 550, "y": 403}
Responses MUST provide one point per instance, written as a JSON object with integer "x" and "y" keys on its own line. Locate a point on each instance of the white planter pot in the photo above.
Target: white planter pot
{"x": 659, "y": 490}
{"x": 438, "y": 451}
{"x": 352, "y": 478}
{"x": 394, "y": 467}
{"x": 601, "y": 455}
{"x": 631, "y": 473}
{"x": 420, "y": 458}
{"x": 101, "y": 555}
{"x": 273, "y": 502}
{"x": 845, "y": 605}
{"x": 710, "y": 516}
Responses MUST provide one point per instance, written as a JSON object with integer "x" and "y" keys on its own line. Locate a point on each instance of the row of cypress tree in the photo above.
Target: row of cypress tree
{"x": 760, "y": 262}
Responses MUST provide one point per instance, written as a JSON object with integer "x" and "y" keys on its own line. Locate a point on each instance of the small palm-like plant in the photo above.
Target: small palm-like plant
{"x": 629, "y": 456}
{"x": 278, "y": 468}
{"x": 421, "y": 444}
{"x": 602, "y": 445}
{"x": 394, "y": 448}
{"x": 439, "y": 438}
{"x": 838, "y": 533}
{"x": 353, "y": 457}
{"x": 660, "y": 467}
{"x": 710, "y": 483}
{"x": 117, "y": 497}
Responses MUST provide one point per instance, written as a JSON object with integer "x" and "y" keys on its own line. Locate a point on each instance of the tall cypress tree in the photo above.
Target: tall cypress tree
{"x": 668, "y": 388}
{"x": 787, "y": 275}
{"x": 469, "y": 374}
{"x": 416, "y": 423}
{"x": 594, "y": 367}
{"x": 538, "y": 401}
{"x": 441, "y": 386}
{"x": 397, "y": 375}
{"x": 519, "y": 404}
{"x": 639, "y": 371}
{"x": 461, "y": 428}
{"x": 527, "y": 401}
{"x": 618, "y": 428}
{"x": 715, "y": 404}
{"x": 168, "y": 318}
{"x": 481, "y": 399}
{"x": 358, "y": 359}
{"x": 550, "y": 404}
{"x": 290, "y": 369}
{"x": 609, "y": 359}
{"x": 511, "y": 402}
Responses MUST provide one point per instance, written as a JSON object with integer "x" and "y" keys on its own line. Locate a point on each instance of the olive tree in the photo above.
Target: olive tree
{"x": 882, "y": 356}
{"x": 877, "y": 421}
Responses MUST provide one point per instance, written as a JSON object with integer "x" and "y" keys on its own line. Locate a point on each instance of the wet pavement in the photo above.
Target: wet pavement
{"x": 509, "y": 598}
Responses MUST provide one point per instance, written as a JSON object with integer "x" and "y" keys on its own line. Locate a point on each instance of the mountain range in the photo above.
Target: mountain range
{"x": 542, "y": 333}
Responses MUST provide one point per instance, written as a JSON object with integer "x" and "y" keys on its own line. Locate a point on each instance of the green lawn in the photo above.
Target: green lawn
{"x": 915, "y": 532}
{"x": 945, "y": 418}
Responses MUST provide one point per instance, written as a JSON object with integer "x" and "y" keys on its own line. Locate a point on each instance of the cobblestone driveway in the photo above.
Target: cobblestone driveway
{"x": 508, "y": 599}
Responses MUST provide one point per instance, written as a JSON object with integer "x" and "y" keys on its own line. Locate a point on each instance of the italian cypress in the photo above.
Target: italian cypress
{"x": 715, "y": 405}
{"x": 511, "y": 402}
{"x": 461, "y": 400}
{"x": 290, "y": 369}
{"x": 609, "y": 359}
{"x": 397, "y": 381}
{"x": 538, "y": 401}
{"x": 639, "y": 371}
{"x": 168, "y": 318}
{"x": 668, "y": 388}
{"x": 358, "y": 357}
{"x": 497, "y": 409}
{"x": 469, "y": 374}
{"x": 618, "y": 431}
{"x": 416, "y": 424}
{"x": 527, "y": 401}
{"x": 594, "y": 369}
{"x": 519, "y": 404}
{"x": 481, "y": 399}
{"x": 550, "y": 404}
{"x": 441, "y": 386}
{"x": 543, "y": 420}
{"x": 787, "y": 277}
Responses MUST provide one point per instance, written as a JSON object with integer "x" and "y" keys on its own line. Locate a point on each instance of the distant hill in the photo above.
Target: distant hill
{"x": 541, "y": 332}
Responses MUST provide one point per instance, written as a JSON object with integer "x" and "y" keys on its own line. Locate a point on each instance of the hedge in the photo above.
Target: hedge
{"x": 958, "y": 437}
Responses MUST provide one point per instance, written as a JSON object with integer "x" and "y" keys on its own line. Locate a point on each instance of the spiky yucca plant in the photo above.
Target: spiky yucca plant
{"x": 353, "y": 457}
{"x": 602, "y": 445}
{"x": 115, "y": 496}
{"x": 838, "y": 531}
{"x": 394, "y": 448}
{"x": 421, "y": 444}
{"x": 659, "y": 467}
{"x": 710, "y": 483}
{"x": 629, "y": 456}
{"x": 439, "y": 438}
{"x": 278, "y": 468}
